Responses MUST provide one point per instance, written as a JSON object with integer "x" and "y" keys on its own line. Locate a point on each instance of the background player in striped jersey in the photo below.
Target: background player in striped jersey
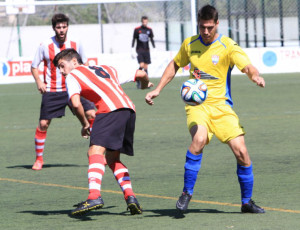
{"x": 113, "y": 129}
{"x": 55, "y": 97}
{"x": 142, "y": 35}
{"x": 213, "y": 56}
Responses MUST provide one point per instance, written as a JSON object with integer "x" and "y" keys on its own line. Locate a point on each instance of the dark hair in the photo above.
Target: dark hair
{"x": 144, "y": 18}
{"x": 208, "y": 12}
{"x": 68, "y": 55}
{"x": 58, "y": 18}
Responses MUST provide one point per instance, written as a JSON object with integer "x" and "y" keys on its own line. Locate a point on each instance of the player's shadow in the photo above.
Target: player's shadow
{"x": 44, "y": 166}
{"x": 175, "y": 214}
{"x": 88, "y": 217}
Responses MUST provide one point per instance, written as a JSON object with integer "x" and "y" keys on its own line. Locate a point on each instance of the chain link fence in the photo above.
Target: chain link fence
{"x": 252, "y": 23}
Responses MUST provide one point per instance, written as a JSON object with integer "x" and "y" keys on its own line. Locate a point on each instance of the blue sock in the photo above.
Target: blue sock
{"x": 246, "y": 179}
{"x": 192, "y": 167}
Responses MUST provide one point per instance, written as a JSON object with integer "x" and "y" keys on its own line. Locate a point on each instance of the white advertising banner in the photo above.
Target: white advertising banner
{"x": 267, "y": 61}
{"x": 274, "y": 60}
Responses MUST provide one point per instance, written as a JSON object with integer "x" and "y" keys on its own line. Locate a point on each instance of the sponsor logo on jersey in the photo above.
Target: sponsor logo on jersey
{"x": 196, "y": 52}
{"x": 198, "y": 74}
{"x": 143, "y": 37}
{"x": 215, "y": 59}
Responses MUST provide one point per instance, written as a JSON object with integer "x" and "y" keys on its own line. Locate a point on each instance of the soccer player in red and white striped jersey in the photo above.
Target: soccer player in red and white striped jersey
{"x": 53, "y": 88}
{"x": 113, "y": 129}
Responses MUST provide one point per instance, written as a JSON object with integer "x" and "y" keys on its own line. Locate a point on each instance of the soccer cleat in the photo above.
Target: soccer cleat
{"x": 183, "y": 201}
{"x": 133, "y": 205}
{"x": 86, "y": 206}
{"x": 38, "y": 165}
{"x": 251, "y": 207}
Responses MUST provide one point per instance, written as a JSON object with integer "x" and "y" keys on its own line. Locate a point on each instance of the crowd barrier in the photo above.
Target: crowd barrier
{"x": 267, "y": 60}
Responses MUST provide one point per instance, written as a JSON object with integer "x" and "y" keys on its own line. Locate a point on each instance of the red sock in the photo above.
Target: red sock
{"x": 39, "y": 139}
{"x": 95, "y": 172}
{"x": 91, "y": 121}
{"x": 122, "y": 176}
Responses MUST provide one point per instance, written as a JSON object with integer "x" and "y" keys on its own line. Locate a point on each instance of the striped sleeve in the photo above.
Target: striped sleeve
{"x": 38, "y": 57}
{"x": 73, "y": 87}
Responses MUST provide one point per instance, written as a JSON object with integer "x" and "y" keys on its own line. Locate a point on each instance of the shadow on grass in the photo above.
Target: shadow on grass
{"x": 173, "y": 213}
{"x": 86, "y": 217}
{"x": 45, "y": 166}
{"x": 179, "y": 215}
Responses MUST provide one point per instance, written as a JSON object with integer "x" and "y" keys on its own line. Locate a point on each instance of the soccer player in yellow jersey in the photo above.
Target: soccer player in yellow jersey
{"x": 212, "y": 57}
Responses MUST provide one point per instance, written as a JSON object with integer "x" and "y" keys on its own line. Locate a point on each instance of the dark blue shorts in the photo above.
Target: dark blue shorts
{"x": 144, "y": 56}
{"x": 86, "y": 104}
{"x": 54, "y": 105}
{"x": 114, "y": 131}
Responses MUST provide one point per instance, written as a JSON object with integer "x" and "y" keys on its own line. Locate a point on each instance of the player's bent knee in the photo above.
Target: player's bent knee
{"x": 90, "y": 114}
{"x": 43, "y": 125}
{"x": 199, "y": 141}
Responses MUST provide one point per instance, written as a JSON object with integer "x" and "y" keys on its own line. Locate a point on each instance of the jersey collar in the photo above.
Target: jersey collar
{"x": 217, "y": 39}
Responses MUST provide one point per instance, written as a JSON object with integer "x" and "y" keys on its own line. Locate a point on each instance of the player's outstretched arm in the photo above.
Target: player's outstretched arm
{"x": 167, "y": 76}
{"x": 39, "y": 84}
{"x": 253, "y": 75}
{"x": 79, "y": 111}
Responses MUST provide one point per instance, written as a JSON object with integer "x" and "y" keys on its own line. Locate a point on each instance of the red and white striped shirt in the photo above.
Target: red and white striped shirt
{"x": 46, "y": 52}
{"x": 99, "y": 84}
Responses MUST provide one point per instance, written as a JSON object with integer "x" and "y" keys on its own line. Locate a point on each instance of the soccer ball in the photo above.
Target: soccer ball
{"x": 193, "y": 92}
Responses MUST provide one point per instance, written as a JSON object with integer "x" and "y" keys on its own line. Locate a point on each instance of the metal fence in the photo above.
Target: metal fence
{"x": 252, "y": 23}
{"x": 256, "y": 23}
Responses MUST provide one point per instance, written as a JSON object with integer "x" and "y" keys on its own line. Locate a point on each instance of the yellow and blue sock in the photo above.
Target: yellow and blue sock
{"x": 246, "y": 179}
{"x": 192, "y": 167}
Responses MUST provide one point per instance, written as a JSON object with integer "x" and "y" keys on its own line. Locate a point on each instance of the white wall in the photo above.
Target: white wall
{"x": 118, "y": 37}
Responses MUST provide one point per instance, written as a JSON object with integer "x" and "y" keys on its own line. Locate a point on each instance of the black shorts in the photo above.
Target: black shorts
{"x": 144, "y": 56}
{"x": 86, "y": 104}
{"x": 114, "y": 131}
{"x": 54, "y": 105}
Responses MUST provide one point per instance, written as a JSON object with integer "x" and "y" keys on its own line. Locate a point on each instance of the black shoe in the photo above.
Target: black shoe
{"x": 133, "y": 205}
{"x": 251, "y": 207}
{"x": 183, "y": 201}
{"x": 88, "y": 205}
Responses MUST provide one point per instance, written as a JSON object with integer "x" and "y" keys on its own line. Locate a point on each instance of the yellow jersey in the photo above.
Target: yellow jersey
{"x": 213, "y": 63}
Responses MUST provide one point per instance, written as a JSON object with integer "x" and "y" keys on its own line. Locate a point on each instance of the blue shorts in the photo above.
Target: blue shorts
{"x": 54, "y": 105}
{"x": 144, "y": 56}
{"x": 114, "y": 131}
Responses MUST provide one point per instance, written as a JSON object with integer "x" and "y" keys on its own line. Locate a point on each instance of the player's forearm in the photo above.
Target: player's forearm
{"x": 79, "y": 112}
{"x": 253, "y": 75}
{"x": 251, "y": 72}
{"x": 35, "y": 74}
{"x": 153, "y": 43}
{"x": 168, "y": 75}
